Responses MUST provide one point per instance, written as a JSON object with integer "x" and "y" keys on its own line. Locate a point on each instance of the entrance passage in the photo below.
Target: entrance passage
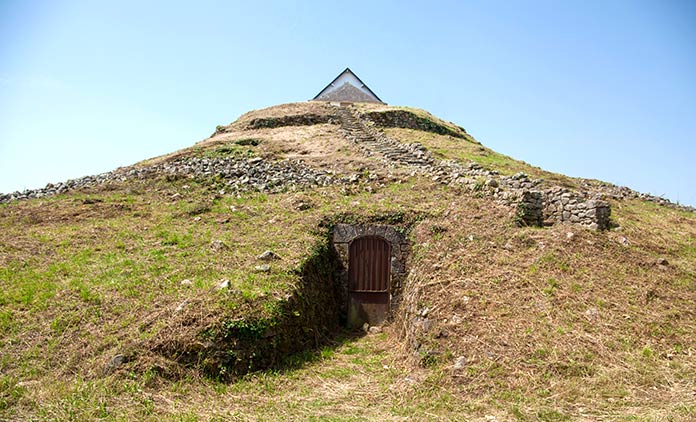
{"x": 369, "y": 272}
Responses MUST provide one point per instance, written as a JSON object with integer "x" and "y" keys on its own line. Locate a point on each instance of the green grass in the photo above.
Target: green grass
{"x": 466, "y": 151}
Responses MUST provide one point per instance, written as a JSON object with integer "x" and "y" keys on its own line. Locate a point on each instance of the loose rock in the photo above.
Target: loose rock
{"x": 268, "y": 255}
{"x": 217, "y": 245}
{"x": 459, "y": 363}
{"x": 114, "y": 363}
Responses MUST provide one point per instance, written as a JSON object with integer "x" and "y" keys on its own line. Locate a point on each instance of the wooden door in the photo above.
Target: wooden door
{"x": 369, "y": 274}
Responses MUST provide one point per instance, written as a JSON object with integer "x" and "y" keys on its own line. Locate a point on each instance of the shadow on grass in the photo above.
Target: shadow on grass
{"x": 306, "y": 357}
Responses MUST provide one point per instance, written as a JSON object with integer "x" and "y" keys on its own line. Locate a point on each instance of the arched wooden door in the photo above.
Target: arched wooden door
{"x": 369, "y": 275}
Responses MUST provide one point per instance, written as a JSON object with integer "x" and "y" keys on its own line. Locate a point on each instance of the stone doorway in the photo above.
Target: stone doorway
{"x": 373, "y": 258}
{"x": 369, "y": 279}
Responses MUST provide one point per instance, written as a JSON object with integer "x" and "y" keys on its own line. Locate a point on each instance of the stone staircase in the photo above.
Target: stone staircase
{"x": 534, "y": 207}
{"x": 375, "y": 143}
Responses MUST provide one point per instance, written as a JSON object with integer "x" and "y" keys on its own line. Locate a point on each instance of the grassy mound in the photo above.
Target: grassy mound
{"x": 146, "y": 300}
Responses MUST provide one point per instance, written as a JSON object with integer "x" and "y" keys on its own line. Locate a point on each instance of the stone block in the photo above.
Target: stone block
{"x": 391, "y": 235}
{"x": 342, "y": 249}
{"x": 360, "y": 231}
{"x": 343, "y": 233}
{"x": 396, "y": 250}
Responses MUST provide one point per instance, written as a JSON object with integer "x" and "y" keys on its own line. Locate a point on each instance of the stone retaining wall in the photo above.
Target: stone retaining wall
{"x": 408, "y": 120}
{"x": 533, "y": 206}
{"x": 291, "y": 120}
{"x": 237, "y": 175}
{"x": 238, "y": 344}
{"x": 559, "y": 205}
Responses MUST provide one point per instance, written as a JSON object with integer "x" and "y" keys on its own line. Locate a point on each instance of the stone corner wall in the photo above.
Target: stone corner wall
{"x": 562, "y": 205}
{"x": 530, "y": 209}
{"x": 557, "y": 205}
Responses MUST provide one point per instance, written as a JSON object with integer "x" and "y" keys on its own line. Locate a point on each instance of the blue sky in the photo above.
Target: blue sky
{"x": 597, "y": 89}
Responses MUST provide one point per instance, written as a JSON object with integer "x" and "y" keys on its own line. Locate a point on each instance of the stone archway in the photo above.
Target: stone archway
{"x": 374, "y": 267}
{"x": 369, "y": 271}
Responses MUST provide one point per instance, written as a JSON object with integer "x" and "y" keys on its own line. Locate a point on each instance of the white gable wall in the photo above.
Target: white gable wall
{"x": 346, "y": 77}
{"x": 347, "y": 87}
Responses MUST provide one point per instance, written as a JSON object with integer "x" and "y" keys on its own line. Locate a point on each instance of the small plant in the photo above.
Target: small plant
{"x": 199, "y": 208}
{"x": 436, "y": 229}
{"x": 552, "y": 286}
{"x": 248, "y": 142}
{"x": 428, "y": 359}
{"x": 647, "y": 352}
{"x": 480, "y": 184}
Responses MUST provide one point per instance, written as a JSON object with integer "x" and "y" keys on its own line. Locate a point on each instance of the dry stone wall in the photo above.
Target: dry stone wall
{"x": 530, "y": 209}
{"x": 534, "y": 206}
{"x": 557, "y": 205}
{"x": 622, "y": 193}
{"x": 304, "y": 319}
{"x": 585, "y": 207}
{"x": 408, "y": 120}
{"x": 562, "y": 205}
{"x": 235, "y": 174}
{"x": 291, "y": 120}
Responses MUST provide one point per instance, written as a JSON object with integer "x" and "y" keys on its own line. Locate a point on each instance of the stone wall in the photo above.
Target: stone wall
{"x": 562, "y": 205}
{"x": 624, "y": 193}
{"x": 291, "y": 120}
{"x": 408, "y": 120}
{"x": 530, "y": 209}
{"x": 238, "y": 343}
{"x": 558, "y": 205}
{"x": 344, "y": 234}
{"x": 533, "y": 207}
{"x": 235, "y": 175}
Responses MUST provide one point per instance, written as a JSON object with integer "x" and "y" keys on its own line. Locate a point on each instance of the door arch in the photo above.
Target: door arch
{"x": 369, "y": 275}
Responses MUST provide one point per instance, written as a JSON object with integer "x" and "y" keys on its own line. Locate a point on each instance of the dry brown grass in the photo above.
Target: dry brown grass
{"x": 563, "y": 319}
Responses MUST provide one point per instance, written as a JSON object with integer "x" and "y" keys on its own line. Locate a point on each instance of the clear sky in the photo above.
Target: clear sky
{"x": 599, "y": 89}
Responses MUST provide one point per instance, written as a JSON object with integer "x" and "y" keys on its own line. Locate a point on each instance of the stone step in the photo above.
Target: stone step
{"x": 391, "y": 151}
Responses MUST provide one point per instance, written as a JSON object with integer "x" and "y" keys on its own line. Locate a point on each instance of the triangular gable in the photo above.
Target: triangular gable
{"x": 347, "y": 87}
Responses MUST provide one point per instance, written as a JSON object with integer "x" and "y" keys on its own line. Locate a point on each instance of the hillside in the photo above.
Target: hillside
{"x": 148, "y": 293}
